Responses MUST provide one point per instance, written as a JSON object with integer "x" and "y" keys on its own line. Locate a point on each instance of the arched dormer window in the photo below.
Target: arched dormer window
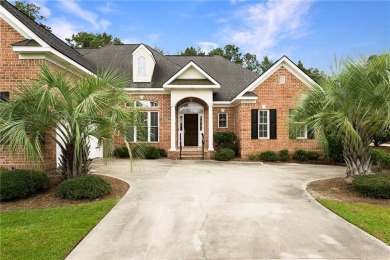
{"x": 141, "y": 65}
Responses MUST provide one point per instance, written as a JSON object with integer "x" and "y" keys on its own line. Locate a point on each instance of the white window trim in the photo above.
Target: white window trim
{"x": 302, "y": 137}
{"x": 282, "y": 79}
{"x": 268, "y": 124}
{"x": 149, "y": 129}
{"x": 227, "y": 121}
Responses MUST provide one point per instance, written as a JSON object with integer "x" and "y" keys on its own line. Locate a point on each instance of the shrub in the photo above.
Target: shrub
{"x": 3, "y": 169}
{"x": 335, "y": 148}
{"x": 252, "y": 156}
{"x": 224, "y": 154}
{"x": 312, "y": 155}
{"x": 152, "y": 152}
{"x": 374, "y": 186}
{"x": 300, "y": 155}
{"x": 22, "y": 183}
{"x": 380, "y": 158}
{"x": 283, "y": 155}
{"x": 162, "y": 152}
{"x": 225, "y": 140}
{"x": 268, "y": 156}
{"x": 84, "y": 187}
{"x": 122, "y": 152}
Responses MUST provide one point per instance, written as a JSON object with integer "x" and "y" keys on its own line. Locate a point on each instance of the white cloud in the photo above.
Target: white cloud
{"x": 129, "y": 40}
{"x": 106, "y": 8}
{"x": 153, "y": 37}
{"x": 264, "y": 25}
{"x": 72, "y": 7}
{"x": 207, "y": 46}
{"x": 62, "y": 28}
{"x": 236, "y": 1}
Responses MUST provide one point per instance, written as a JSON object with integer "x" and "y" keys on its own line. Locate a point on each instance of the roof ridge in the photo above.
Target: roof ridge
{"x": 165, "y": 56}
{"x": 236, "y": 64}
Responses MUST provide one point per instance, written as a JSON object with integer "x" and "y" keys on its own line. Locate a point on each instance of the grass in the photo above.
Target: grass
{"x": 49, "y": 233}
{"x": 374, "y": 219}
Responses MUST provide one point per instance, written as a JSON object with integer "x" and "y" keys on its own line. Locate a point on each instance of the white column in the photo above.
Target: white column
{"x": 211, "y": 128}
{"x": 173, "y": 128}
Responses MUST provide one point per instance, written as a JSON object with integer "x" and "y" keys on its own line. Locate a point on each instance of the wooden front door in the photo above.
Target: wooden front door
{"x": 191, "y": 130}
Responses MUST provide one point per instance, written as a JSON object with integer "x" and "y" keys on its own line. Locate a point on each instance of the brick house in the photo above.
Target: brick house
{"x": 185, "y": 99}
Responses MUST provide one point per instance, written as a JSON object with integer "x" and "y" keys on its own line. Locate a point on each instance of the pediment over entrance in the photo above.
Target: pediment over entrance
{"x": 191, "y": 77}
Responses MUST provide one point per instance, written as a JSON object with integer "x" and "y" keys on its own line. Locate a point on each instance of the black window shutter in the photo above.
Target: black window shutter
{"x": 4, "y": 96}
{"x": 272, "y": 121}
{"x": 254, "y": 124}
{"x": 310, "y": 133}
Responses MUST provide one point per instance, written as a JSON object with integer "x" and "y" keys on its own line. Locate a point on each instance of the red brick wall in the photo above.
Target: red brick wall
{"x": 274, "y": 96}
{"x": 14, "y": 72}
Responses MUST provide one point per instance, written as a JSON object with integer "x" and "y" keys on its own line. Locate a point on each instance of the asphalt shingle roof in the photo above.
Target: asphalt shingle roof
{"x": 48, "y": 37}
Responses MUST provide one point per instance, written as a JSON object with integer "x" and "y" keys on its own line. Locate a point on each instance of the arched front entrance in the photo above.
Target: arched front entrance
{"x": 191, "y": 124}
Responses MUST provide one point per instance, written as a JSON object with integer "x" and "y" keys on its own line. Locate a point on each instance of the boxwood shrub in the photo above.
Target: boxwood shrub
{"x": 152, "y": 152}
{"x": 122, "y": 152}
{"x": 22, "y": 183}
{"x": 300, "y": 155}
{"x": 224, "y": 154}
{"x": 374, "y": 185}
{"x": 226, "y": 139}
{"x": 84, "y": 187}
{"x": 283, "y": 155}
{"x": 312, "y": 155}
{"x": 268, "y": 156}
{"x": 380, "y": 158}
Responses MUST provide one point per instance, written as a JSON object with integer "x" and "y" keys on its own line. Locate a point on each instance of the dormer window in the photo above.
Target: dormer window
{"x": 141, "y": 65}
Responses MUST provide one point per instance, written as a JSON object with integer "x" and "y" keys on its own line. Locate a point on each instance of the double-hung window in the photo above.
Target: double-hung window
{"x": 222, "y": 120}
{"x": 263, "y": 124}
{"x": 146, "y": 128}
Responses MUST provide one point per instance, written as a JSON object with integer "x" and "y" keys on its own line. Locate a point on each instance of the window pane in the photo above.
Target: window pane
{"x": 222, "y": 120}
{"x": 141, "y": 66}
{"x": 154, "y": 134}
{"x": 263, "y": 123}
{"x": 142, "y": 134}
{"x": 153, "y": 118}
{"x": 130, "y": 135}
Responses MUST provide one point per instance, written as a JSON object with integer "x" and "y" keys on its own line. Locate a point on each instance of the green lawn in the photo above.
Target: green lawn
{"x": 373, "y": 219}
{"x": 49, "y": 233}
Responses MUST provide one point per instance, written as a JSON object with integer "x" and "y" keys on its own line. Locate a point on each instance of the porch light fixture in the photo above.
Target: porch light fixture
{"x": 263, "y": 106}
{"x": 141, "y": 97}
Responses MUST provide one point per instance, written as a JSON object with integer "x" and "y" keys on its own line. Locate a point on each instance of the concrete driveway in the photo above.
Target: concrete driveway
{"x": 214, "y": 210}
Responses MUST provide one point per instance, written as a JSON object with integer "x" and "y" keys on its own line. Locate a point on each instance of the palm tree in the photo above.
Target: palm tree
{"x": 354, "y": 105}
{"x": 68, "y": 109}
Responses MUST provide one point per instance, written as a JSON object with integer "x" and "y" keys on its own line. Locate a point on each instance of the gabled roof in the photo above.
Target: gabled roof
{"x": 27, "y": 43}
{"x": 48, "y": 37}
{"x": 289, "y": 65}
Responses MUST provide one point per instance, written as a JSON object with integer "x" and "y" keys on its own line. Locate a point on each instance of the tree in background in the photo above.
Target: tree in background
{"x": 32, "y": 11}
{"x": 192, "y": 51}
{"x": 75, "y": 108}
{"x": 85, "y": 40}
{"x": 314, "y": 73}
{"x": 353, "y": 106}
{"x": 266, "y": 64}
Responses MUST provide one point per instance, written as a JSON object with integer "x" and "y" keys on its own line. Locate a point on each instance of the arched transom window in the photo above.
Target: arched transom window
{"x": 190, "y": 108}
{"x": 141, "y": 65}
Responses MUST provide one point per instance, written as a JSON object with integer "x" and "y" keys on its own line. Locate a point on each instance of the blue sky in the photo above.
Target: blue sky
{"x": 314, "y": 32}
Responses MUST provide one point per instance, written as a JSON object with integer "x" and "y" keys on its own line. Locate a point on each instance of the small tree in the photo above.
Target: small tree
{"x": 32, "y": 11}
{"x": 353, "y": 104}
{"x": 75, "y": 108}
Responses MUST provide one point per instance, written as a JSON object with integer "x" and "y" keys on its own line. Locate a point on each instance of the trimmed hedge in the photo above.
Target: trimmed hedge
{"x": 380, "y": 158}
{"x": 152, "y": 152}
{"x": 268, "y": 156}
{"x": 122, "y": 152}
{"x": 224, "y": 154}
{"x": 225, "y": 139}
{"x": 303, "y": 156}
{"x": 84, "y": 187}
{"x": 283, "y": 155}
{"x": 374, "y": 186}
{"x": 22, "y": 183}
{"x": 300, "y": 155}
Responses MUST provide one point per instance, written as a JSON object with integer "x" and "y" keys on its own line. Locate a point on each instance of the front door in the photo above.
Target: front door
{"x": 190, "y": 129}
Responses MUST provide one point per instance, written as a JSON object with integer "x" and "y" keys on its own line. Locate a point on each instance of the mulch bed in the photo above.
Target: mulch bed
{"x": 340, "y": 189}
{"x": 49, "y": 200}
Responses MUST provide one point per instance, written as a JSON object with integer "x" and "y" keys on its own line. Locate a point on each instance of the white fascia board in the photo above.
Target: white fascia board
{"x": 222, "y": 104}
{"x": 20, "y": 27}
{"x": 192, "y": 87}
{"x": 34, "y": 52}
{"x": 146, "y": 90}
{"x": 284, "y": 61}
{"x": 142, "y": 46}
{"x": 193, "y": 64}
